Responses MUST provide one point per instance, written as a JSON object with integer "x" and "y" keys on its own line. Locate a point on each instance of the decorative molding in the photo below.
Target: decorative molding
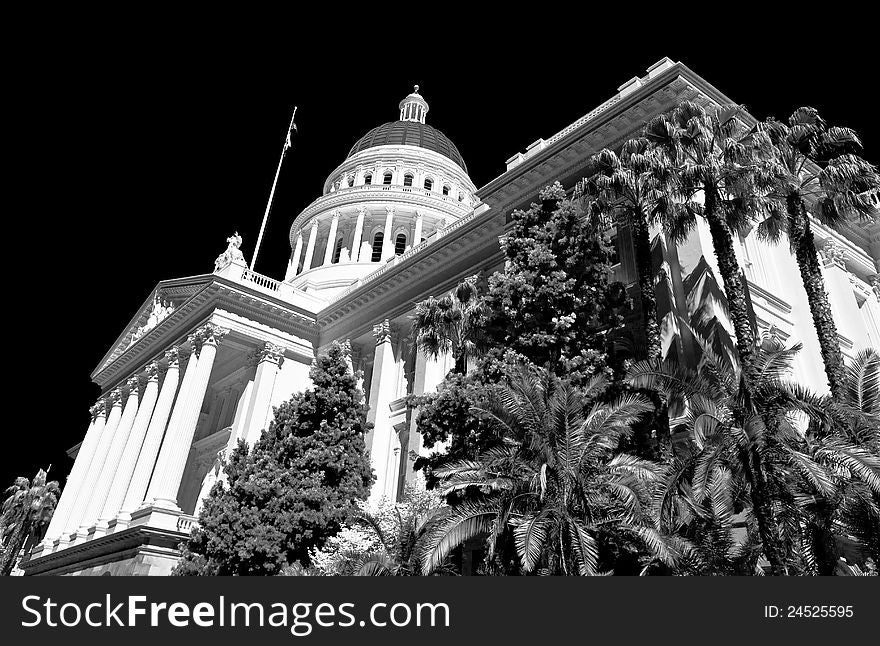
{"x": 833, "y": 253}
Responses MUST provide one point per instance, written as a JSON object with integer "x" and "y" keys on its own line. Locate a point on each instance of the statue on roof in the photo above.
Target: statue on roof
{"x": 232, "y": 253}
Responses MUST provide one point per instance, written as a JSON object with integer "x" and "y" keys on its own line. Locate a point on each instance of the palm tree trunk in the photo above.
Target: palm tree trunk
{"x": 722, "y": 241}
{"x": 644, "y": 268}
{"x": 763, "y": 510}
{"x": 13, "y": 547}
{"x": 801, "y": 237}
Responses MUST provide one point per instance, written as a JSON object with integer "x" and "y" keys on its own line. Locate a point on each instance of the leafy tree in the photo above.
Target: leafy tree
{"x": 26, "y": 512}
{"x": 295, "y": 487}
{"x": 815, "y": 169}
{"x": 712, "y": 157}
{"x": 555, "y": 488}
{"x": 451, "y": 324}
{"x": 553, "y": 302}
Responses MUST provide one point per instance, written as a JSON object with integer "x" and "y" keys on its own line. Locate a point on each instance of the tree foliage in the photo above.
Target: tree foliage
{"x": 295, "y": 487}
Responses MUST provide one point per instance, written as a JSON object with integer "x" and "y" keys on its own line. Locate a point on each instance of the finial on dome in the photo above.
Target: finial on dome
{"x": 413, "y": 107}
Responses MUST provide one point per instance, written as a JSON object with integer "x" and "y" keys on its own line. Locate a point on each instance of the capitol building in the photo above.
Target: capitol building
{"x": 203, "y": 362}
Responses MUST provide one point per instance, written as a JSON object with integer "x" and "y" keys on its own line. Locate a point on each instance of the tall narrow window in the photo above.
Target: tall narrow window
{"x": 445, "y": 190}
{"x": 429, "y": 184}
{"x": 386, "y": 179}
{"x": 337, "y": 251}
{"x": 377, "y": 247}
{"x": 400, "y": 244}
{"x": 408, "y": 179}
{"x": 368, "y": 179}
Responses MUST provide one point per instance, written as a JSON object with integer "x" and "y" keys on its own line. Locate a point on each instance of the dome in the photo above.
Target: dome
{"x": 409, "y": 133}
{"x": 410, "y": 130}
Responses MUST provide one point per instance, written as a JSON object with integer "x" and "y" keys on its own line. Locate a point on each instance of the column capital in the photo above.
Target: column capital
{"x": 133, "y": 384}
{"x": 384, "y": 332}
{"x": 389, "y": 210}
{"x": 152, "y": 371}
{"x": 314, "y": 224}
{"x": 361, "y": 210}
{"x": 212, "y": 334}
{"x": 336, "y": 214}
{"x": 99, "y": 408}
{"x": 875, "y": 284}
{"x": 269, "y": 351}
{"x": 114, "y": 398}
{"x": 172, "y": 357}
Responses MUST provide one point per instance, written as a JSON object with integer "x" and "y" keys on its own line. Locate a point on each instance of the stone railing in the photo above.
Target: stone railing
{"x": 248, "y": 276}
{"x": 186, "y": 523}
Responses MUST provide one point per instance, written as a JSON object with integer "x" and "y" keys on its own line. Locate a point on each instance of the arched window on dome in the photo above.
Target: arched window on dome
{"x": 368, "y": 179}
{"x": 399, "y": 244}
{"x": 386, "y": 178}
{"x": 460, "y": 197}
{"x": 429, "y": 184}
{"x": 350, "y": 182}
{"x": 446, "y": 189}
{"x": 337, "y": 251}
{"x": 377, "y": 247}
{"x": 408, "y": 179}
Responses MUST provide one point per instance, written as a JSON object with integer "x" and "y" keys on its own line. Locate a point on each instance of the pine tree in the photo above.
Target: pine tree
{"x": 293, "y": 490}
{"x": 553, "y": 302}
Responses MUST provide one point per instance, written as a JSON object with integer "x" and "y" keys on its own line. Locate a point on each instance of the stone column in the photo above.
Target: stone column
{"x": 182, "y": 427}
{"x": 133, "y": 445}
{"x": 114, "y": 455}
{"x": 269, "y": 359}
{"x": 310, "y": 248}
{"x": 77, "y": 473}
{"x": 78, "y": 521}
{"x": 358, "y": 234}
{"x": 146, "y": 459}
{"x": 294, "y": 259}
{"x": 388, "y": 234}
{"x": 841, "y": 296}
{"x": 417, "y": 233}
{"x": 383, "y": 388}
{"x": 331, "y": 239}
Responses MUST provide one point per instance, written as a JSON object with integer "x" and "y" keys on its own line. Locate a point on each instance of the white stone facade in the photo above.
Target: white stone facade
{"x": 208, "y": 357}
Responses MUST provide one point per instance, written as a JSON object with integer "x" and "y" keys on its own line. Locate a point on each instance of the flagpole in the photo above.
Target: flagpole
{"x": 287, "y": 145}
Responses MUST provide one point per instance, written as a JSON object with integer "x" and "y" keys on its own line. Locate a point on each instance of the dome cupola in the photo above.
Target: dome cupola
{"x": 414, "y": 107}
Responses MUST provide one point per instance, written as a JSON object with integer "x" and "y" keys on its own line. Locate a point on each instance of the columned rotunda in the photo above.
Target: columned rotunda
{"x": 206, "y": 358}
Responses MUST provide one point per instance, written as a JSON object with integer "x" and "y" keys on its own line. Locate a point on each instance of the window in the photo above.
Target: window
{"x": 368, "y": 179}
{"x": 337, "y": 251}
{"x": 350, "y": 182}
{"x": 446, "y": 189}
{"x": 429, "y": 184}
{"x": 400, "y": 244}
{"x": 408, "y": 179}
{"x": 377, "y": 247}
{"x": 460, "y": 197}
{"x": 386, "y": 178}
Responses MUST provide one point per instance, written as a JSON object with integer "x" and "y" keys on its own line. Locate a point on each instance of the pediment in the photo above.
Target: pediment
{"x": 157, "y": 311}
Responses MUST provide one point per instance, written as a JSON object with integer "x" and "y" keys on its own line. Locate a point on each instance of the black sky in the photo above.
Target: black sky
{"x": 135, "y": 156}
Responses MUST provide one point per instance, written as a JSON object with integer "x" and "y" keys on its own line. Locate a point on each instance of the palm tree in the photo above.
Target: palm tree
{"x": 451, "y": 324}
{"x": 555, "y": 487}
{"x": 815, "y": 170}
{"x": 843, "y": 502}
{"x": 742, "y": 420}
{"x": 26, "y": 512}
{"x": 712, "y": 155}
{"x": 633, "y": 188}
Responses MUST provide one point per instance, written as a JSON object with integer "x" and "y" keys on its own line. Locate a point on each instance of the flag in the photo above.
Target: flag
{"x": 292, "y": 128}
